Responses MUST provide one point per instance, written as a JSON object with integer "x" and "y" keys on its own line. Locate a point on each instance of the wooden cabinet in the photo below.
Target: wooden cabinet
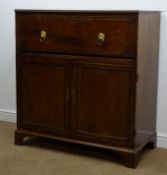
{"x": 88, "y": 78}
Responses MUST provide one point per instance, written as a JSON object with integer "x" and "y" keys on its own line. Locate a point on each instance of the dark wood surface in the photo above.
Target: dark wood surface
{"x": 92, "y": 12}
{"x": 44, "y": 92}
{"x": 147, "y": 71}
{"x": 73, "y": 34}
{"x": 70, "y": 88}
{"x": 103, "y": 96}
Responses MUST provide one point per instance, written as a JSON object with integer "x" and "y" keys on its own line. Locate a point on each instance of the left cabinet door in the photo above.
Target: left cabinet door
{"x": 43, "y": 93}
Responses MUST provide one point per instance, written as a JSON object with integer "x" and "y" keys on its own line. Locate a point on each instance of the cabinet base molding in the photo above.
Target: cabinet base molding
{"x": 130, "y": 157}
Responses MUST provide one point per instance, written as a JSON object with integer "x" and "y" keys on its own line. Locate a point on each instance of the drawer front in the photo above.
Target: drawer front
{"x": 89, "y": 34}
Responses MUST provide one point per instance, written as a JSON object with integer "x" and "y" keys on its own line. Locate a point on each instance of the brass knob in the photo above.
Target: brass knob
{"x": 43, "y": 36}
{"x": 101, "y": 39}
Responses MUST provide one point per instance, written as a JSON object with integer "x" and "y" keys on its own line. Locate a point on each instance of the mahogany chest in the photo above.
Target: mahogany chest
{"x": 88, "y": 77}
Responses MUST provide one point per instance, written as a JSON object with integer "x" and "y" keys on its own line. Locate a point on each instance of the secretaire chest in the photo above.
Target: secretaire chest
{"x": 88, "y": 78}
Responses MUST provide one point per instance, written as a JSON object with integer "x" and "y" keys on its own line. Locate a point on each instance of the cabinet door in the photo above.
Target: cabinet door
{"x": 103, "y": 100}
{"x": 43, "y": 93}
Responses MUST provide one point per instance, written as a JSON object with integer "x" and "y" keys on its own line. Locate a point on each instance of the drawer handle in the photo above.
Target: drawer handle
{"x": 43, "y": 36}
{"x": 101, "y": 39}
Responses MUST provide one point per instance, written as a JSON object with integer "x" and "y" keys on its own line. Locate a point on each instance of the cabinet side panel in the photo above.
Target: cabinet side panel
{"x": 147, "y": 71}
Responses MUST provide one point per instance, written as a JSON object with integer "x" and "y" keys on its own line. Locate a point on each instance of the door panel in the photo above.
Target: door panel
{"x": 103, "y": 100}
{"x": 44, "y": 92}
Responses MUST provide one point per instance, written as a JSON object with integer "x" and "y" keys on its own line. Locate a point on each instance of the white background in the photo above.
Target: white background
{"x": 7, "y": 47}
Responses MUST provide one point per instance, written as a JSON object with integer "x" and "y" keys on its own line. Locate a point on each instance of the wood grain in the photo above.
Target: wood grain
{"x": 147, "y": 71}
{"x": 103, "y": 98}
{"x": 43, "y": 92}
{"x": 73, "y": 34}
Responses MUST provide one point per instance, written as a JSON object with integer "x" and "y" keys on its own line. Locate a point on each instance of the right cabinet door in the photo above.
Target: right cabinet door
{"x": 103, "y": 100}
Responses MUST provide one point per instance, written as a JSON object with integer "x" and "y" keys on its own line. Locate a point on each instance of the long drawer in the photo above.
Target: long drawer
{"x": 89, "y": 34}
